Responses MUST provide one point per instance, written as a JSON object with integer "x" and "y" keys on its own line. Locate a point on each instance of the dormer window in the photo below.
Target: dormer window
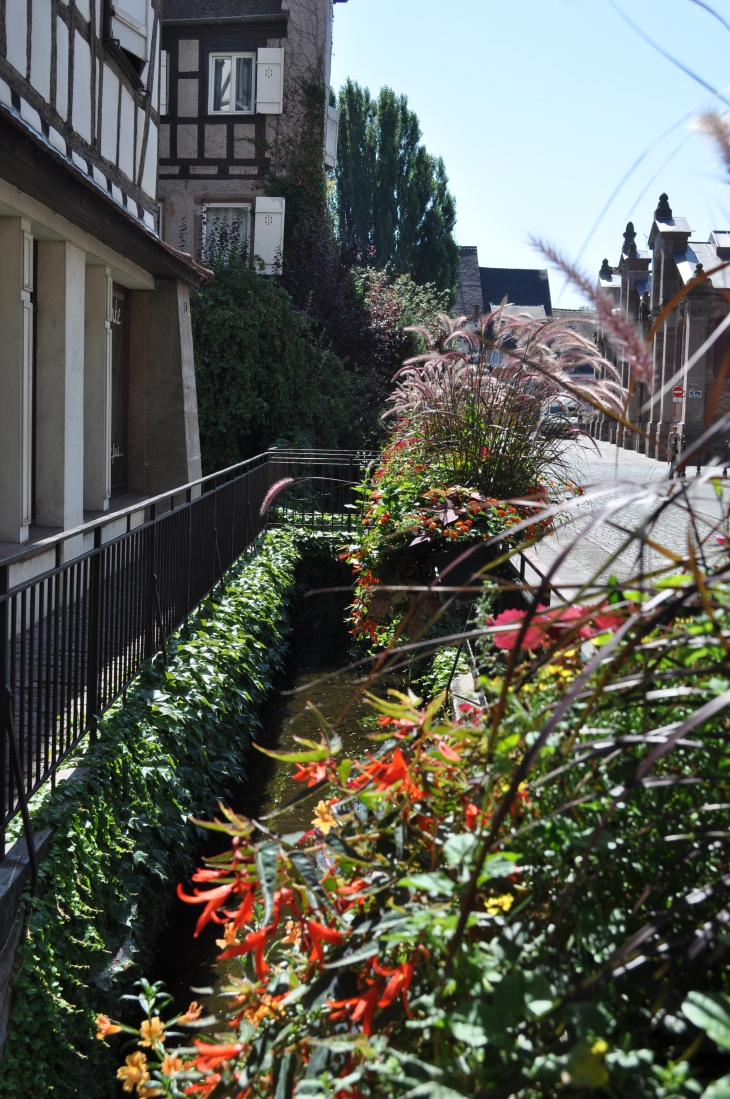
{"x": 231, "y": 83}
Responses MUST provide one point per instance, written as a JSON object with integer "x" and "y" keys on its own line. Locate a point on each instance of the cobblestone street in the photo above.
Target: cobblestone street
{"x": 609, "y": 474}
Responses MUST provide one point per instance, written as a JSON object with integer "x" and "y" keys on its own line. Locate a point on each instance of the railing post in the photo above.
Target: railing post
{"x": 149, "y": 603}
{"x": 92, "y": 668}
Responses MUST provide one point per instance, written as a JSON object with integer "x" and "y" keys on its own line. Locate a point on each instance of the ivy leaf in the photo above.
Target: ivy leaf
{"x": 710, "y": 1012}
{"x": 720, "y": 1089}
{"x": 267, "y": 857}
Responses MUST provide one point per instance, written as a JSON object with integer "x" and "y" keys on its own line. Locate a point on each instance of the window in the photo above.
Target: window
{"x": 164, "y": 81}
{"x": 226, "y": 229}
{"x": 230, "y": 89}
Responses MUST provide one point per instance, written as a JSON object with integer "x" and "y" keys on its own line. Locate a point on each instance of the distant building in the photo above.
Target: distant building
{"x": 482, "y": 289}
{"x": 234, "y": 76}
{"x": 97, "y": 387}
{"x": 691, "y": 383}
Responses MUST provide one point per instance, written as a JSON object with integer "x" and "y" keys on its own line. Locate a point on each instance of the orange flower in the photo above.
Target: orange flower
{"x": 229, "y": 936}
{"x": 293, "y": 933}
{"x": 152, "y": 1030}
{"x": 171, "y": 1063}
{"x": 195, "y": 1010}
{"x": 105, "y": 1027}
{"x": 134, "y": 1072}
{"x": 319, "y": 933}
{"x": 324, "y": 818}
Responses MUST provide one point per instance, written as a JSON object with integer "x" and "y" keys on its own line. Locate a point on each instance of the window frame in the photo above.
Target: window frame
{"x": 224, "y": 206}
{"x": 232, "y": 56}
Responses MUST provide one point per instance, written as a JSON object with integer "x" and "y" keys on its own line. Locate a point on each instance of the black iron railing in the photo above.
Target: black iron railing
{"x": 98, "y": 601}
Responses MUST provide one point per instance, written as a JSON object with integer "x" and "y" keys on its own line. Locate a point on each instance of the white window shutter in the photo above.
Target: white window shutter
{"x": 331, "y": 135}
{"x": 270, "y": 81}
{"x": 268, "y": 242}
{"x": 130, "y": 26}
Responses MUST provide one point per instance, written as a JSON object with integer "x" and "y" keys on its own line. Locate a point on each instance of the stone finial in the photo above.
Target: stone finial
{"x": 629, "y": 236}
{"x": 632, "y": 251}
{"x": 605, "y": 272}
{"x": 663, "y": 210}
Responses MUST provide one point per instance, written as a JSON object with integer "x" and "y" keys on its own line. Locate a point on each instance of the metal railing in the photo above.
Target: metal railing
{"x": 109, "y": 594}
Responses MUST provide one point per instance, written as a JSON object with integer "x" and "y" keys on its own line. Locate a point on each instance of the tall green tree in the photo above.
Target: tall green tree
{"x": 393, "y": 201}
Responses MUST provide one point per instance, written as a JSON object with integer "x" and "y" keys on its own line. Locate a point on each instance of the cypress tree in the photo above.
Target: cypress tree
{"x": 393, "y": 202}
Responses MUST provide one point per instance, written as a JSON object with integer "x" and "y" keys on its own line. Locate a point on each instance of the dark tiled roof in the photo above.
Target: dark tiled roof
{"x": 470, "y": 287}
{"x": 521, "y": 286}
{"x": 218, "y": 9}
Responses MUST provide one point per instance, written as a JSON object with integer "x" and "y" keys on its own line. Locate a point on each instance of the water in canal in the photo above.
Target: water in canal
{"x": 321, "y": 645}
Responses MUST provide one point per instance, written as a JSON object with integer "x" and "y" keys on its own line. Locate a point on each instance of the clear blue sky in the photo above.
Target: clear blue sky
{"x": 540, "y": 107}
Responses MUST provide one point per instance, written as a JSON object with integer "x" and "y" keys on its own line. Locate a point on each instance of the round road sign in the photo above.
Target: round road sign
{"x": 678, "y": 391}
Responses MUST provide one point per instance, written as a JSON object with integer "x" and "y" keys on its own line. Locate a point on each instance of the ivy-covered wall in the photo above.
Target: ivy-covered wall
{"x": 122, "y": 838}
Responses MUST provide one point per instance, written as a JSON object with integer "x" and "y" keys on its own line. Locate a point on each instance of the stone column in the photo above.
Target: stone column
{"x": 699, "y": 310}
{"x": 97, "y": 388}
{"x": 164, "y": 444}
{"x": 61, "y": 281}
{"x": 16, "y": 378}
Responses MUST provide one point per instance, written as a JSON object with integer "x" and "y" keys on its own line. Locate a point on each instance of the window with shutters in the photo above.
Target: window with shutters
{"x": 268, "y": 244}
{"x": 226, "y": 229}
{"x": 231, "y": 83}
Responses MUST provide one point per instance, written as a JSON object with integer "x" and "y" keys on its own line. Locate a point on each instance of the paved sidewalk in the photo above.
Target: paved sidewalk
{"x": 621, "y": 472}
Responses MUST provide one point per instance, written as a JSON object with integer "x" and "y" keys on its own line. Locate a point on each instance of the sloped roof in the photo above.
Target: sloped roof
{"x": 701, "y": 252}
{"x": 218, "y": 9}
{"x": 519, "y": 285}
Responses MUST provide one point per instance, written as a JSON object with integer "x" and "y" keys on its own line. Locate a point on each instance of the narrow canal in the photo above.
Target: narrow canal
{"x": 321, "y": 644}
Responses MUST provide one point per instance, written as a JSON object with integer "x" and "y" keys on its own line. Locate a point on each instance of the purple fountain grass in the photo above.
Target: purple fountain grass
{"x": 275, "y": 490}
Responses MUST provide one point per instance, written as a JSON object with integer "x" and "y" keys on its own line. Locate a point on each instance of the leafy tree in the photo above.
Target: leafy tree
{"x": 393, "y": 202}
{"x": 262, "y": 375}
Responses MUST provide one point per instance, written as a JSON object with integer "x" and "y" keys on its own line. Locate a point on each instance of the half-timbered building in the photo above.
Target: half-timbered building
{"x": 235, "y": 79}
{"x": 97, "y": 390}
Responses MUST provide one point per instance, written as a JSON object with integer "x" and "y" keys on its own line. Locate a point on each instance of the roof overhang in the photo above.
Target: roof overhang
{"x": 40, "y": 171}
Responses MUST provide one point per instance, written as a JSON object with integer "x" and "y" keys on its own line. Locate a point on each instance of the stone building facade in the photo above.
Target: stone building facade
{"x": 97, "y": 390}
{"x": 235, "y": 76}
{"x": 691, "y": 382}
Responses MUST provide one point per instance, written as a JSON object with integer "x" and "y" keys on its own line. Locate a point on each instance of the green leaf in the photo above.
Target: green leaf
{"x": 360, "y": 955}
{"x": 435, "y": 883}
{"x": 267, "y": 857}
{"x": 339, "y": 846}
{"x": 308, "y": 873}
{"x": 710, "y": 1011}
{"x": 458, "y": 847}
{"x": 295, "y": 757}
{"x": 719, "y": 1089}
{"x": 469, "y": 1033}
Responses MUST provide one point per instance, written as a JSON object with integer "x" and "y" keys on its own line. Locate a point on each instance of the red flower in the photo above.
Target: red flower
{"x": 255, "y": 941}
{"x": 212, "y": 899}
{"x": 213, "y": 1056}
{"x": 319, "y": 933}
{"x": 359, "y": 1008}
{"x": 398, "y": 985}
{"x": 311, "y": 773}
{"x": 471, "y": 816}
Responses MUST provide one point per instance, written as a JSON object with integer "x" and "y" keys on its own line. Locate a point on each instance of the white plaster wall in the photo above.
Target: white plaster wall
{"x": 82, "y": 85}
{"x": 126, "y": 134}
{"x": 40, "y": 57}
{"x": 109, "y": 106}
{"x": 83, "y": 7}
{"x": 16, "y": 30}
{"x": 61, "y": 68}
{"x": 149, "y": 177}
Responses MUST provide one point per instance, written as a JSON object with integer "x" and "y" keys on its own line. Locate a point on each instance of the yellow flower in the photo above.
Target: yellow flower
{"x": 499, "y": 904}
{"x": 194, "y": 1011}
{"x": 134, "y": 1072}
{"x": 105, "y": 1027}
{"x": 293, "y": 933}
{"x": 152, "y": 1031}
{"x": 171, "y": 1063}
{"x": 324, "y": 818}
{"x": 585, "y": 1064}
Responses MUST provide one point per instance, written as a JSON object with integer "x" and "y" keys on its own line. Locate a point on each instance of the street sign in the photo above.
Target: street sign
{"x": 695, "y": 392}
{"x": 678, "y": 391}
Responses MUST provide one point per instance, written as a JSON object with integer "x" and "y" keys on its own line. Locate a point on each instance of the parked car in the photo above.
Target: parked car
{"x": 561, "y": 415}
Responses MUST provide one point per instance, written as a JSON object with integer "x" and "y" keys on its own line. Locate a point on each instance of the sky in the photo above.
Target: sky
{"x": 541, "y": 108}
